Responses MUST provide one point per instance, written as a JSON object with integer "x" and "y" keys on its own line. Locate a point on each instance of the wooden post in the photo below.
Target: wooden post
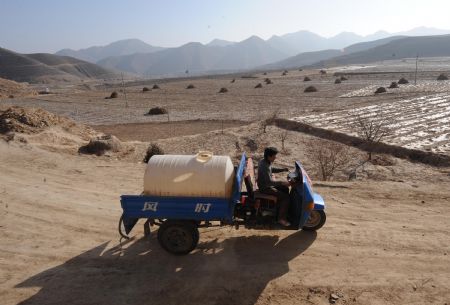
{"x": 415, "y": 74}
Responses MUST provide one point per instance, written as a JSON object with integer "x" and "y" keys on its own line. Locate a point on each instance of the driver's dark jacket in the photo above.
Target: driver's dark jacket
{"x": 265, "y": 179}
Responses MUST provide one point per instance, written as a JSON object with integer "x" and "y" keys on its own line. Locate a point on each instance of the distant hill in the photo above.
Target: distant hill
{"x": 118, "y": 48}
{"x": 309, "y": 58}
{"x": 197, "y": 58}
{"x": 219, "y": 43}
{"x": 406, "y": 47}
{"x": 42, "y": 67}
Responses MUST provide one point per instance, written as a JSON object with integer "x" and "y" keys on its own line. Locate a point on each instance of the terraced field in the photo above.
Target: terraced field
{"x": 420, "y": 123}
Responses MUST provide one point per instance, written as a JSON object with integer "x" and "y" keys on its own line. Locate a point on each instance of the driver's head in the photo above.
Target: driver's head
{"x": 270, "y": 154}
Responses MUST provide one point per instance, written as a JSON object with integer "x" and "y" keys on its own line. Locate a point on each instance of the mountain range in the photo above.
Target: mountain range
{"x": 118, "y": 48}
{"x": 197, "y": 58}
{"x": 289, "y": 44}
{"x": 221, "y": 56}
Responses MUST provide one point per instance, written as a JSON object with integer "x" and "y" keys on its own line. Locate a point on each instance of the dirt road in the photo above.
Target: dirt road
{"x": 383, "y": 243}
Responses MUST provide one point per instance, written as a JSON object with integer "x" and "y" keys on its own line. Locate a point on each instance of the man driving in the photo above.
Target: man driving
{"x": 269, "y": 186}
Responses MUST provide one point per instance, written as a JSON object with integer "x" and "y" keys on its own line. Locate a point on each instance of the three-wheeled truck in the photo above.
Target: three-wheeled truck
{"x": 179, "y": 217}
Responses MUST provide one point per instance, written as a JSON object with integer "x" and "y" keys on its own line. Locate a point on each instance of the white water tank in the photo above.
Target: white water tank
{"x": 201, "y": 175}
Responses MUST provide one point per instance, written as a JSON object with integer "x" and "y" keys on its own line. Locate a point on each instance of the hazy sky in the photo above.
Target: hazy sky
{"x": 50, "y": 25}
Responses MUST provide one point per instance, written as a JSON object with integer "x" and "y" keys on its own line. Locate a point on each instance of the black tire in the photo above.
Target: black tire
{"x": 178, "y": 237}
{"x": 316, "y": 220}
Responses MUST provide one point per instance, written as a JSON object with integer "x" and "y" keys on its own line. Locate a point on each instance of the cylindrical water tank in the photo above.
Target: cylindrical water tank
{"x": 201, "y": 175}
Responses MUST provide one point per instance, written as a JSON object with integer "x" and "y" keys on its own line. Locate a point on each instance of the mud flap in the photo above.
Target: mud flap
{"x": 129, "y": 223}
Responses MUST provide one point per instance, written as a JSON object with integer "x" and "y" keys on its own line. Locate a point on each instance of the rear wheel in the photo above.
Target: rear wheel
{"x": 315, "y": 221}
{"x": 178, "y": 237}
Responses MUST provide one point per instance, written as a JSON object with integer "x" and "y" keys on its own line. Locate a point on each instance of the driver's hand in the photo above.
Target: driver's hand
{"x": 286, "y": 183}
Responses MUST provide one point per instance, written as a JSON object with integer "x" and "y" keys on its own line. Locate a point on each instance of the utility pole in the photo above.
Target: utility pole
{"x": 415, "y": 74}
{"x": 123, "y": 89}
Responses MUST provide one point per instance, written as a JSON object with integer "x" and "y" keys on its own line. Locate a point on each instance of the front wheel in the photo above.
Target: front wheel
{"x": 315, "y": 221}
{"x": 178, "y": 237}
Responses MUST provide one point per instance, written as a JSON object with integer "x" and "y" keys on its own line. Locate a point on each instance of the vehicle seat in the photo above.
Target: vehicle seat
{"x": 248, "y": 180}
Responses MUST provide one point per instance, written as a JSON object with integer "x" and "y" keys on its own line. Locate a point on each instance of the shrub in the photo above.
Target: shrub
{"x": 380, "y": 90}
{"x": 114, "y": 95}
{"x": 223, "y": 90}
{"x": 233, "y": 80}
{"x": 190, "y": 86}
{"x": 145, "y": 89}
{"x": 11, "y": 96}
{"x": 100, "y": 144}
{"x": 311, "y": 89}
{"x": 251, "y": 144}
{"x": 403, "y": 81}
{"x": 393, "y": 85}
{"x": 337, "y": 81}
{"x": 155, "y": 86}
{"x": 300, "y": 70}
{"x": 442, "y": 77}
{"x": 329, "y": 157}
{"x": 323, "y": 72}
{"x": 343, "y": 78}
{"x": 258, "y": 85}
{"x": 157, "y": 111}
{"x": 285, "y": 72}
{"x": 269, "y": 120}
{"x": 306, "y": 79}
{"x": 265, "y": 73}
{"x": 152, "y": 150}
{"x": 268, "y": 81}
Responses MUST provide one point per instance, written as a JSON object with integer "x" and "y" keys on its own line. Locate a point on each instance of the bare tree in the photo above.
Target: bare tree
{"x": 283, "y": 137}
{"x": 373, "y": 129}
{"x": 269, "y": 120}
{"x": 329, "y": 157}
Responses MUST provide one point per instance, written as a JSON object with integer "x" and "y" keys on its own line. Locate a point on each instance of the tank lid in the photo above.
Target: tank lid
{"x": 204, "y": 156}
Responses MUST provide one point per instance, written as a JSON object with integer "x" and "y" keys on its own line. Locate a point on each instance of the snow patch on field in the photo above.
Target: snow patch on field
{"x": 423, "y": 86}
{"x": 419, "y": 123}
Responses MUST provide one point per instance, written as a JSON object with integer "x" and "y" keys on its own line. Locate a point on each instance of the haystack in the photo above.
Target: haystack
{"x": 223, "y": 90}
{"x": 311, "y": 89}
{"x": 343, "y": 78}
{"x": 152, "y": 150}
{"x": 114, "y": 95}
{"x": 306, "y": 79}
{"x": 403, "y": 81}
{"x": 155, "y": 86}
{"x": 258, "y": 85}
{"x": 393, "y": 85}
{"x": 190, "y": 86}
{"x": 157, "y": 111}
{"x": 145, "y": 89}
{"x": 380, "y": 90}
{"x": 101, "y": 144}
{"x": 442, "y": 76}
{"x": 337, "y": 81}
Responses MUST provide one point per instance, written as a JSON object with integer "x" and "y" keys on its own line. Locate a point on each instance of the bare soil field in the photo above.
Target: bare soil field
{"x": 385, "y": 240}
{"x": 146, "y": 132}
{"x": 242, "y": 101}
